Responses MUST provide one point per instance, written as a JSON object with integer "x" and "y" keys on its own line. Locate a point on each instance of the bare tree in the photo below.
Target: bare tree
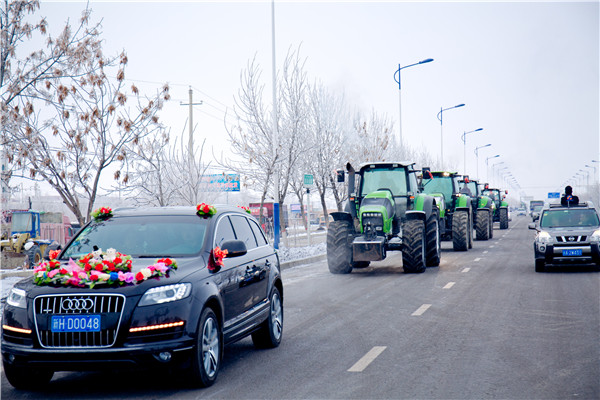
{"x": 81, "y": 126}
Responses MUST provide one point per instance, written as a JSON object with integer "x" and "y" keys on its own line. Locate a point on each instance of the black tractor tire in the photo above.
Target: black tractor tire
{"x": 25, "y": 378}
{"x": 482, "y": 224}
{"x": 34, "y": 255}
{"x": 339, "y": 249}
{"x": 460, "y": 231}
{"x": 503, "y": 212}
{"x": 540, "y": 265}
{"x": 268, "y": 336}
{"x": 413, "y": 250}
{"x": 434, "y": 240}
{"x": 491, "y": 224}
{"x": 471, "y": 227}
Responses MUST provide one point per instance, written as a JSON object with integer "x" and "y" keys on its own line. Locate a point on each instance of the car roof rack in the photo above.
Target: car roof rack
{"x": 582, "y": 204}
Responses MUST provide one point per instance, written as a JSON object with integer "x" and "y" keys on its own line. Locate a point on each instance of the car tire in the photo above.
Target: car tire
{"x": 434, "y": 242}
{"x": 413, "y": 251}
{"x": 540, "y": 265}
{"x": 482, "y": 224}
{"x": 26, "y": 378}
{"x": 503, "y": 212}
{"x": 460, "y": 231}
{"x": 268, "y": 336}
{"x": 208, "y": 350}
{"x": 339, "y": 250}
{"x": 34, "y": 256}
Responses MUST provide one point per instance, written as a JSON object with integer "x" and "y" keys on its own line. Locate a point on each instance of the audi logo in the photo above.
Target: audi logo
{"x": 76, "y": 304}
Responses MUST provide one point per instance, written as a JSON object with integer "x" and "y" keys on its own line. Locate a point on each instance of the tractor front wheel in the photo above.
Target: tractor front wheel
{"x": 460, "y": 231}
{"x": 339, "y": 250}
{"x": 503, "y": 218}
{"x": 413, "y": 251}
{"x": 434, "y": 244}
{"x": 482, "y": 224}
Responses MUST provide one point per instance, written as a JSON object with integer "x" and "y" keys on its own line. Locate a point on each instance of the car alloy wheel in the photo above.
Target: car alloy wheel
{"x": 211, "y": 347}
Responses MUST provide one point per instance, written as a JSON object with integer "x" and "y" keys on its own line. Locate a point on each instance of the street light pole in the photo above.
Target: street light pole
{"x": 487, "y": 170}
{"x": 397, "y": 73}
{"x": 464, "y": 139}
{"x": 477, "y": 157}
{"x": 440, "y": 116}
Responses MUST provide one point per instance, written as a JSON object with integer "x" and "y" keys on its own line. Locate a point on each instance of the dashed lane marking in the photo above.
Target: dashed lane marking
{"x": 466, "y": 270}
{"x": 492, "y": 246}
{"x": 367, "y": 359}
{"x": 421, "y": 310}
{"x": 449, "y": 285}
{"x": 485, "y": 252}
{"x": 477, "y": 259}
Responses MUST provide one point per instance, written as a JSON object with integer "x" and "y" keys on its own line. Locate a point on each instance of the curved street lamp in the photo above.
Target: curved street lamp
{"x": 477, "y": 156}
{"x": 397, "y": 73}
{"x": 464, "y": 139}
{"x": 440, "y": 116}
{"x": 487, "y": 172}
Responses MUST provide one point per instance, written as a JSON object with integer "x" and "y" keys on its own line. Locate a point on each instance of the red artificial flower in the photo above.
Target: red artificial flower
{"x": 63, "y": 271}
{"x": 206, "y": 208}
{"x": 139, "y": 276}
{"x": 118, "y": 260}
{"x": 54, "y": 254}
{"x": 99, "y": 267}
{"x": 87, "y": 267}
{"x": 166, "y": 261}
{"x": 94, "y": 277}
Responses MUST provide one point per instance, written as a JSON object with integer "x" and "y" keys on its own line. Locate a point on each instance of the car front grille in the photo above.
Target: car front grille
{"x": 108, "y": 306}
{"x": 571, "y": 239}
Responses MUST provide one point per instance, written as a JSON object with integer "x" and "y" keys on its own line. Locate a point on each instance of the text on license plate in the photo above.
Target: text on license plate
{"x": 75, "y": 323}
{"x": 571, "y": 252}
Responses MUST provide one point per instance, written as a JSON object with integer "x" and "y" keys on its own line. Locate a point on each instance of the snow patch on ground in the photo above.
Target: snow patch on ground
{"x": 298, "y": 253}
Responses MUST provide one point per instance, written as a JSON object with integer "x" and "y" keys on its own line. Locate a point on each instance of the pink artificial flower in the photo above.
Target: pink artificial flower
{"x": 52, "y": 273}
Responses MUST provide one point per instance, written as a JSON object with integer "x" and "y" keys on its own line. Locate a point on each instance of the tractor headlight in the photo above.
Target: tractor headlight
{"x": 371, "y": 215}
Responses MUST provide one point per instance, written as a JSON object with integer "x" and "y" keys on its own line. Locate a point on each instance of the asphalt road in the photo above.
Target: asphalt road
{"x": 483, "y": 325}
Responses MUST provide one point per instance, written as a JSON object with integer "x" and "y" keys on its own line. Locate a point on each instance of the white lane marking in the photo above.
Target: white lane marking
{"x": 485, "y": 252}
{"x": 477, "y": 259}
{"x": 492, "y": 246}
{"x": 367, "y": 359}
{"x": 466, "y": 270}
{"x": 421, "y": 310}
{"x": 449, "y": 285}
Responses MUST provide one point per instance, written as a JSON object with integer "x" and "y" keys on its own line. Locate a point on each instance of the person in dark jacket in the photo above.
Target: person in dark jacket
{"x": 569, "y": 199}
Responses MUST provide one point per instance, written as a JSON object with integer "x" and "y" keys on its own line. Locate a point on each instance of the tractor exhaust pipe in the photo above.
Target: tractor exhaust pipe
{"x": 351, "y": 189}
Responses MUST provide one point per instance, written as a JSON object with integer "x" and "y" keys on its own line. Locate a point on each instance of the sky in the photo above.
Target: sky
{"x": 527, "y": 72}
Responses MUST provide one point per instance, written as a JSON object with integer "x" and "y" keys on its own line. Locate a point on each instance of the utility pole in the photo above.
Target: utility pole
{"x": 191, "y": 105}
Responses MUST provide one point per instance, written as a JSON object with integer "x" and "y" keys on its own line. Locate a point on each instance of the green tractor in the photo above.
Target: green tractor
{"x": 501, "y": 212}
{"x": 385, "y": 212}
{"x": 456, "y": 215}
{"x": 484, "y": 209}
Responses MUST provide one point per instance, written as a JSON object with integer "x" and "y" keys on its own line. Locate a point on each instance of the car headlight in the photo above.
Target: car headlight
{"x": 17, "y": 298}
{"x": 595, "y": 238}
{"x": 544, "y": 237}
{"x": 165, "y": 294}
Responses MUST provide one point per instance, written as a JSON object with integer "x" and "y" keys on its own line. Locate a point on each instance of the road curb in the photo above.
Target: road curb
{"x": 301, "y": 261}
{"x": 20, "y": 273}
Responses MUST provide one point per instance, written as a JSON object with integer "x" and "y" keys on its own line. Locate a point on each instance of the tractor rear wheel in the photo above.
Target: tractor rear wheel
{"x": 339, "y": 251}
{"x": 434, "y": 243}
{"x": 491, "y": 225}
{"x": 413, "y": 251}
{"x": 503, "y": 218}
{"x": 460, "y": 231}
{"x": 482, "y": 224}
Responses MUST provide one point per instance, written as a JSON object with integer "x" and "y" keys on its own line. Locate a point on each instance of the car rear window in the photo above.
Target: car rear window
{"x": 569, "y": 218}
{"x": 142, "y": 236}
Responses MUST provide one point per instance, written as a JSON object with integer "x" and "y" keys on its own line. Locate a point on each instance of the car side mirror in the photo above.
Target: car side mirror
{"x": 531, "y": 226}
{"x": 235, "y": 248}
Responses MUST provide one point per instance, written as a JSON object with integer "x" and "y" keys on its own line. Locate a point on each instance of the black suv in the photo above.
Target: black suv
{"x": 145, "y": 288}
{"x": 567, "y": 235}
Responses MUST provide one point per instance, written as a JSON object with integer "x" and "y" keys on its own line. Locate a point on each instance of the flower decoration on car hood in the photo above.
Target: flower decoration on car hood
{"x": 205, "y": 210}
{"x": 102, "y": 213}
{"x": 215, "y": 261}
{"x": 109, "y": 268}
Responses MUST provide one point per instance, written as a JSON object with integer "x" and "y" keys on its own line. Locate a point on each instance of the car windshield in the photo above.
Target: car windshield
{"x": 141, "y": 236}
{"x": 569, "y": 218}
{"x": 537, "y": 208}
{"x": 384, "y": 178}
{"x": 442, "y": 184}
{"x": 491, "y": 194}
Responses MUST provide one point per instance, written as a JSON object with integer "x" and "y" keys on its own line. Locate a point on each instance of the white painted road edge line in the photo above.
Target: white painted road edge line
{"x": 367, "y": 359}
{"x": 466, "y": 270}
{"x": 421, "y": 310}
{"x": 449, "y": 285}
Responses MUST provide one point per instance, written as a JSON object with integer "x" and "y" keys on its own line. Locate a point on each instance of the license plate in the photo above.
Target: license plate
{"x": 572, "y": 252}
{"x": 75, "y": 323}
